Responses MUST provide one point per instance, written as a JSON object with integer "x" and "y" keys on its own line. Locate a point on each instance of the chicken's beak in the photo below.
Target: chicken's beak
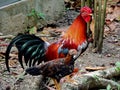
{"x": 90, "y": 14}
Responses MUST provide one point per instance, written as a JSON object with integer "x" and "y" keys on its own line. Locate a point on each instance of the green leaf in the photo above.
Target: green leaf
{"x": 33, "y": 11}
{"x": 117, "y": 64}
{"x": 108, "y": 87}
{"x": 96, "y": 78}
{"x": 41, "y": 15}
{"x": 119, "y": 87}
{"x": 33, "y": 30}
{"x": 30, "y": 14}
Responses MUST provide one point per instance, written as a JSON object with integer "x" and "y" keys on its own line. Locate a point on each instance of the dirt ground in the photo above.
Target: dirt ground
{"x": 109, "y": 56}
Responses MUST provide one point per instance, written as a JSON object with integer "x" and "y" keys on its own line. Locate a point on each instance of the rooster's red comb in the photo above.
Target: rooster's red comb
{"x": 86, "y": 9}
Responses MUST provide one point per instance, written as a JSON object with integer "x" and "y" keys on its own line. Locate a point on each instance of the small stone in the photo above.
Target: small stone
{"x": 1, "y": 34}
{"x": 100, "y": 56}
{"x": 108, "y": 55}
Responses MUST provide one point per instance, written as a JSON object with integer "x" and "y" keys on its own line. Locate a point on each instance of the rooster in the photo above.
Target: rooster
{"x": 35, "y": 50}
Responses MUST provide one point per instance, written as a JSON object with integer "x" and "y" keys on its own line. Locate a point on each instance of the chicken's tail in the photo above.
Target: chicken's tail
{"x": 29, "y": 46}
{"x": 33, "y": 71}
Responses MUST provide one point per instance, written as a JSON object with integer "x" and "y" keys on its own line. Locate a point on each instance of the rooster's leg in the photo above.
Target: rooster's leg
{"x": 56, "y": 84}
{"x": 68, "y": 77}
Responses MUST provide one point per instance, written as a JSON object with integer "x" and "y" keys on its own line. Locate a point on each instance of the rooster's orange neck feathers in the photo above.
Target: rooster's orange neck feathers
{"x": 77, "y": 31}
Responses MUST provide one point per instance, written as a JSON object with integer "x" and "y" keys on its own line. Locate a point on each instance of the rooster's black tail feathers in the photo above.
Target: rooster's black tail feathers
{"x": 29, "y": 46}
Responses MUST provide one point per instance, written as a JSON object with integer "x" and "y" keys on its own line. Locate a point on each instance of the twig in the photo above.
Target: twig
{"x": 2, "y": 55}
{"x": 7, "y": 36}
{"x": 94, "y": 68}
{"x": 3, "y": 45}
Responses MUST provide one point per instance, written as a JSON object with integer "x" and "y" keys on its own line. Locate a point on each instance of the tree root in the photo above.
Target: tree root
{"x": 96, "y": 79}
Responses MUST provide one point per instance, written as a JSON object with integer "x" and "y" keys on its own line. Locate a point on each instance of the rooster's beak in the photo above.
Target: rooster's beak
{"x": 90, "y": 14}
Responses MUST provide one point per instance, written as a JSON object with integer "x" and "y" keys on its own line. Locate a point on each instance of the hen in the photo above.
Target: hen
{"x": 56, "y": 69}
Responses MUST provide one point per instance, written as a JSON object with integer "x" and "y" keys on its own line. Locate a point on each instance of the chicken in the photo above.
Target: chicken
{"x": 56, "y": 69}
{"x": 35, "y": 50}
{"x": 55, "y": 55}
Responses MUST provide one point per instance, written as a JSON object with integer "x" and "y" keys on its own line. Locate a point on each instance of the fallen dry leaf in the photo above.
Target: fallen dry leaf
{"x": 14, "y": 73}
{"x": 116, "y": 13}
{"x": 110, "y": 9}
{"x": 112, "y": 26}
{"x": 13, "y": 63}
{"x": 2, "y": 54}
{"x": 4, "y": 45}
{"x": 110, "y": 17}
{"x": 44, "y": 38}
{"x": 106, "y": 30}
{"x": 94, "y": 68}
{"x": 13, "y": 55}
{"x": 55, "y": 32}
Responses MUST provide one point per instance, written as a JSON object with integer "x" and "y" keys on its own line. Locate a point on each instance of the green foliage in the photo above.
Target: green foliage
{"x": 41, "y": 15}
{"x": 108, "y": 87}
{"x": 96, "y": 78}
{"x": 117, "y": 66}
{"x": 36, "y": 15}
{"x": 118, "y": 87}
{"x": 32, "y": 30}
